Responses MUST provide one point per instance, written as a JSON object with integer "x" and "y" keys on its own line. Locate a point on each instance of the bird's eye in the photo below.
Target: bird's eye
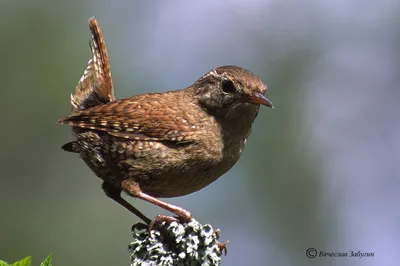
{"x": 227, "y": 86}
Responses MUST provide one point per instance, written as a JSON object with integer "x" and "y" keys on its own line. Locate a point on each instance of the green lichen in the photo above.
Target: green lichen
{"x": 176, "y": 244}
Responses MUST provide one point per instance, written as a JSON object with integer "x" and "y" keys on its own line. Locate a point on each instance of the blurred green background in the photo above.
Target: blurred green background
{"x": 320, "y": 170}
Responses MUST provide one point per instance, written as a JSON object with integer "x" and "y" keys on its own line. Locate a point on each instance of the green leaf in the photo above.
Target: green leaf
{"x": 3, "y": 263}
{"x": 24, "y": 262}
{"x": 47, "y": 261}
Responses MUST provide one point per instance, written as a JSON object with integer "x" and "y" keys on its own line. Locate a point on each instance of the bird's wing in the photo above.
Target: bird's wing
{"x": 137, "y": 120}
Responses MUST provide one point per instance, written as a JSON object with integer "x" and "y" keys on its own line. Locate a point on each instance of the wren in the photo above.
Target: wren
{"x": 161, "y": 145}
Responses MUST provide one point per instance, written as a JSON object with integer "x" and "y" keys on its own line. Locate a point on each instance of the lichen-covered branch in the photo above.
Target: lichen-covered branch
{"x": 176, "y": 244}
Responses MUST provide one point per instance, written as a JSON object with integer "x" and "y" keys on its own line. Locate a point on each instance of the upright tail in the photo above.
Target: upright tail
{"x": 95, "y": 86}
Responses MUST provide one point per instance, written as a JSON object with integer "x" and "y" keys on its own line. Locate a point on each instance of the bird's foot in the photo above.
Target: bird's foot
{"x": 159, "y": 219}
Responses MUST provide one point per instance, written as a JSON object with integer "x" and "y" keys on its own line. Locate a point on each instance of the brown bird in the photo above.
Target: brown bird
{"x": 165, "y": 144}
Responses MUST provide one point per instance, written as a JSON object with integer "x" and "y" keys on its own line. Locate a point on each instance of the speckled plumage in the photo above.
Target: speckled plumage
{"x": 162, "y": 144}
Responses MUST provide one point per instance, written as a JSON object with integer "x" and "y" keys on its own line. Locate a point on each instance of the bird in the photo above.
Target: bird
{"x": 165, "y": 144}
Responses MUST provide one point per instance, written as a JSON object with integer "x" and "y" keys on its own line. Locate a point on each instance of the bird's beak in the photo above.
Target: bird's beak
{"x": 258, "y": 98}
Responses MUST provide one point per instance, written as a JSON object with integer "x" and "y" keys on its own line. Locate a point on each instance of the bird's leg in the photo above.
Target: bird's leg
{"x": 115, "y": 193}
{"x": 133, "y": 189}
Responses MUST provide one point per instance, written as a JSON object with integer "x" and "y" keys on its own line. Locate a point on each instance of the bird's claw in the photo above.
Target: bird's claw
{"x": 159, "y": 219}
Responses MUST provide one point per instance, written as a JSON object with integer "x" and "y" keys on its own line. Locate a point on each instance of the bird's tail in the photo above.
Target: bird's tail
{"x": 95, "y": 86}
